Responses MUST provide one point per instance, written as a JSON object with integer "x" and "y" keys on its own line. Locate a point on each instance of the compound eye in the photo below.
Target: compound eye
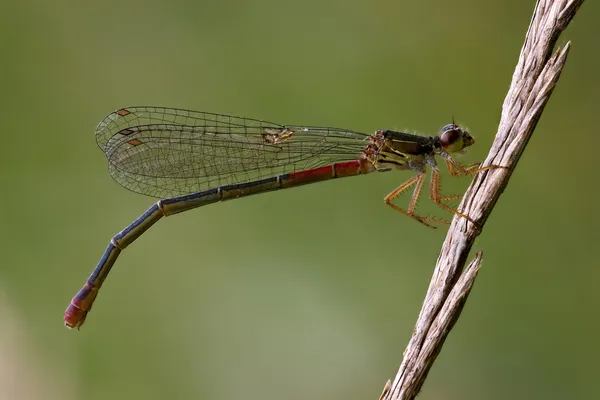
{"x": 452, "y": 140}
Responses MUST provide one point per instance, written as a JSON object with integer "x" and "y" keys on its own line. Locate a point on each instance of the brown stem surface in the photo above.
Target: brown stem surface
{"x": 535, "y": 76}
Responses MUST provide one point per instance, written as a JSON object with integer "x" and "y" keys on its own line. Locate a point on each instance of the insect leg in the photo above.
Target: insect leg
{"x": 416, "y": 180}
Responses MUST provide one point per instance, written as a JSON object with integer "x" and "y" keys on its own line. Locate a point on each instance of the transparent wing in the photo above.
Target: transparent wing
{"x": 166, "y": 152}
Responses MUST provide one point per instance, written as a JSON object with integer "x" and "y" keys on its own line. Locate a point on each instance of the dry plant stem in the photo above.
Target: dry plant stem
{"x": 535, "y": 76}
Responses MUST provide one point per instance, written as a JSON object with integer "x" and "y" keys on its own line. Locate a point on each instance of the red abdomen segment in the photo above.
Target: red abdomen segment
{"x": 80, "y": 306}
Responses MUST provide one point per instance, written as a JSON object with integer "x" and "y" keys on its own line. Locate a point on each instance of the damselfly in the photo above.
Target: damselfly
{"x": 191, "y": 159}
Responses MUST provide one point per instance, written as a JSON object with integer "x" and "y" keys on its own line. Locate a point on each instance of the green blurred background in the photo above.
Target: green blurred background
{"x": 304, "y": 293}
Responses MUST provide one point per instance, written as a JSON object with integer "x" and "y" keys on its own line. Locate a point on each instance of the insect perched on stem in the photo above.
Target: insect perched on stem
{"x": 191, "y": 159}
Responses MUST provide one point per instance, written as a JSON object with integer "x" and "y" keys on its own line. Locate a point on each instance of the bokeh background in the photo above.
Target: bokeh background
{"x": 303, "y": 293}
